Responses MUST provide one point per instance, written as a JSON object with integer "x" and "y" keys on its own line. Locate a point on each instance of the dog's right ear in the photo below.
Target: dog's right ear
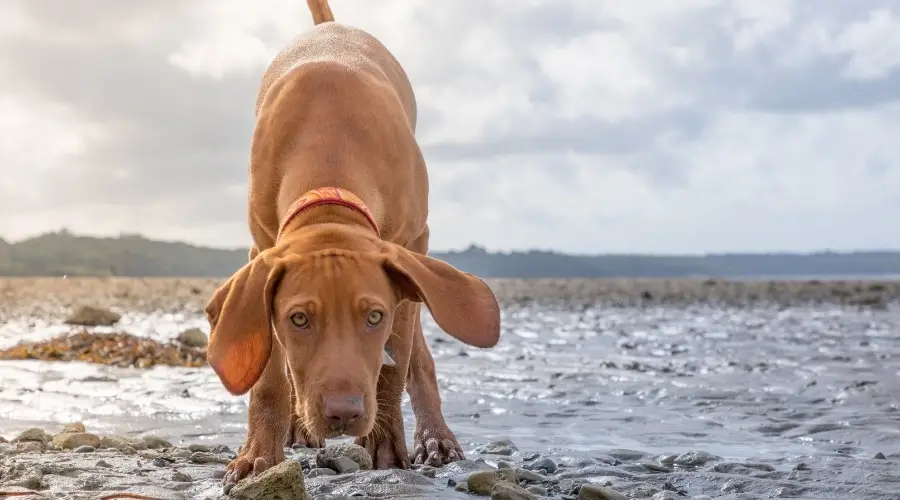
{"x": 240, "y": 320}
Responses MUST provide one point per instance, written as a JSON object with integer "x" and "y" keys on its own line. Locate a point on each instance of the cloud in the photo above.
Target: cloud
{"x": 580, "y": 125}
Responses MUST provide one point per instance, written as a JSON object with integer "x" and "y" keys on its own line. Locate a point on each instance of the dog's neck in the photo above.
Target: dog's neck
{"x": 327, "y": 196}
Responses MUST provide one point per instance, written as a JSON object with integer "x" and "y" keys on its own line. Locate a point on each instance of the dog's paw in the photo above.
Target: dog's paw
{"x": 387, "y": 448}
{"x": 435, "y": 445}
{"x": 249, "y": 464}
{"x": 298, "y": 436}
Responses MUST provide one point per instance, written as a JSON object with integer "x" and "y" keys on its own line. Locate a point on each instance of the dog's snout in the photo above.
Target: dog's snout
{"x": 342, "y": 411}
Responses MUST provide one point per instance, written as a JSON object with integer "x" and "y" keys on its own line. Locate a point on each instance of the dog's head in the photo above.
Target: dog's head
{"x": 331, "y": 310}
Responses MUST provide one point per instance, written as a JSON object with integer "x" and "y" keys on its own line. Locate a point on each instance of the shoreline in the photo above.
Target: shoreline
{"x": 51, "y": 297}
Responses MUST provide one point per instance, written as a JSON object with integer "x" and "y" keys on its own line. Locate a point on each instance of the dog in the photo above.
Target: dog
{"x": 322, "y": 325}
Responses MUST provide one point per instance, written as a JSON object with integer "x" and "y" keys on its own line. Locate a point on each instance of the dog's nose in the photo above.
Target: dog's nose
{"x": 342, "y": 411}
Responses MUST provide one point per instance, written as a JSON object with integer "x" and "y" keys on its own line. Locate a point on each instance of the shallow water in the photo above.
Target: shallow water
{"x": 772, "y": 385}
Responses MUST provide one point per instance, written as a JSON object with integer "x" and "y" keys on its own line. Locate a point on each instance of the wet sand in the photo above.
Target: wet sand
{"x": 656, "y": 388}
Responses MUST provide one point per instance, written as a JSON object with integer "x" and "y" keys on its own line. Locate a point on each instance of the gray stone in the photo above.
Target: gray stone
{"x": 181, "y": 477}
{"x": 482, "y": 483}
{"x": 593, "y": 492}
{"x": 281, "y": 482}
{"x": 73, "y": 440}
{"x": 93, "y": 316}
{"x": 33, "y": 434}
{"x": 537, "y": 490}
{"x": 327, "y": 456}
{"x": 199, "y": 447}
{"x": 193, "y": 337}
{"x": 320, "y": 471}
{"x": 85, "y": 449}
{"x": 201, "y": 457}
{"x": 694, "y": 459}
{"x": 155, "y": 443}
{"x": 509, "y": 491}
{"x": 502, "y": 447}
{"x": 545, "y": 464}
{"x": 530, "y": 476}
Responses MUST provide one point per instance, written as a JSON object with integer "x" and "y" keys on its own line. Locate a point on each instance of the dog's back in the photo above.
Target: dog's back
{"x": 329, "y": 41}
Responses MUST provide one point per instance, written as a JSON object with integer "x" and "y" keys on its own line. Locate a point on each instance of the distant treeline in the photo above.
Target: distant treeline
{"x": 63, "y": 253}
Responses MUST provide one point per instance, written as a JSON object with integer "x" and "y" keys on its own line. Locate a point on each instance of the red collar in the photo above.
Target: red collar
{"x": 328, "y": 195}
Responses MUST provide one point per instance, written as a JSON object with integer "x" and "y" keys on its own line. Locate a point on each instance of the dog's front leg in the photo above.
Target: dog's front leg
{"x": 269, "y": 418}
{"x": 387, "y": 441}
{"x": 433, "y": 443}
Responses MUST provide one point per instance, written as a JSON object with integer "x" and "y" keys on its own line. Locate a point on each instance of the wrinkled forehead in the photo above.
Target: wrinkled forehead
{"x": 334, "y": 278}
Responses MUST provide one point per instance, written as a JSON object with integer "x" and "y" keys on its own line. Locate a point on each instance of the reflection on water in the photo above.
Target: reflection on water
{"x": 739, "y": 383}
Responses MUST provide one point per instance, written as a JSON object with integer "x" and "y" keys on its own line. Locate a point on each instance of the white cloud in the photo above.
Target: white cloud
{"x": 580, "y": 125}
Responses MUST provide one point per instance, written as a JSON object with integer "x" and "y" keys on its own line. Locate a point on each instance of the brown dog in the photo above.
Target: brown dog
{"x": 338, "y": 206}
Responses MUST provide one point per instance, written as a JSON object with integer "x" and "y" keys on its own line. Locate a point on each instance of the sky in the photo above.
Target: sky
{"x": 584, "y": 126}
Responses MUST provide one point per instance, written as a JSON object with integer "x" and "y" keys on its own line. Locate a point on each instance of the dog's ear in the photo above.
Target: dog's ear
{"x": 461, "y": 304}
{"x": 240, "y": 320}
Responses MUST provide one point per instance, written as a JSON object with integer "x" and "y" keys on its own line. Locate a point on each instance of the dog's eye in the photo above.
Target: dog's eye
{"x": 300, "y": 320}
{"x": 374, "y": 318}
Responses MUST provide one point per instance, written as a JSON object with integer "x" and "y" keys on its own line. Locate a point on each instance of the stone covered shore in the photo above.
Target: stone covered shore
{"x": 55, "y": 297}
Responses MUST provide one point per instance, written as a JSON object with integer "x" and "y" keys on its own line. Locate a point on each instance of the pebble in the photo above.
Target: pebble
{"x": 694, "y": 459}
{"x": 93, "y": 316}
{"x": 481, "y": 483}
{"x": 199, "y": 447}
{"x": 502, "y": 447}
{"x": 537, "y": 490}
{"x": 281, "y": 482}
{"x": 155, "y": 443}
{"x": 181, "y": 477}
{"x": 542, "y": 464}
{"x": 201, "y": 457}
{"x": 509, "y": 491}
{"x": 85, "y": 449}
{"x": 327, "y": 457}
{"x": 530, "y": 476}
{"x": 320, "y": 471}
{"x": 193, "y": 337}
{"x": 121, "y": 443}
{"x": 593, "y": 492}
{"x": 32, "y": 434}
{"x": 74, "y": 440}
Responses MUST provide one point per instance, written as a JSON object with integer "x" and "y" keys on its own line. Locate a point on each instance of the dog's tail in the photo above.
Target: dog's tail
{"x": 321, "y": 12}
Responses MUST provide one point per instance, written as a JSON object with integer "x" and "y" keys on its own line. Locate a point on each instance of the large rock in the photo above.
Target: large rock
{"x": 93, "y": 316}
{"x": 282, "y": 482}
{"x": 593, "y": 492}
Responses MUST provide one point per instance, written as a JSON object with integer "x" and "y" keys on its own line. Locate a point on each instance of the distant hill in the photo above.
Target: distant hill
{"x": 63, "y": 253}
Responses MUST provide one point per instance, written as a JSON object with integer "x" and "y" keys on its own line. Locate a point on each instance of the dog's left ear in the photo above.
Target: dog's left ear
{"x": 461, "y": 304}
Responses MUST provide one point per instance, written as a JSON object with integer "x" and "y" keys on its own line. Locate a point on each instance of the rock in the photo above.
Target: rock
{"x": 482, "y": 483}
{"x": 181, "y": 477}
{"x": 508, "y": 491}
{"x": 281, "y": 482}
{"x": 880, "y": 456}
{"x": 3, "y": 440}
{"x": 30, "y": 446}
{"x": 694, "y": 459}
{"x": 343, "y": 465}
{"x": 542, "y": 464}
{"x": 666, "y": 495}
{"x": 122, "y": 443}
{"x": 202, "y": 457}
{"x": 85, "y": 449}
{"x": 593, "y": 492}
{"x": 428, "y": 471}
{"x": 320, "y": 471}
{"x": 93, "y": 316}
{"x": 537, "y": 490}
{"x": 199, "y": 447}
{"x": 193, "y": 337}
{"x": 327, "y": 456}
{"x": 530, "y": 476}
{"x": 73, "y": 427}
{"x": 33, "y": 434}
{"x": 155, "y": 443}
{"x": 73, "y": 440}
{"x": 503, "y": 447}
